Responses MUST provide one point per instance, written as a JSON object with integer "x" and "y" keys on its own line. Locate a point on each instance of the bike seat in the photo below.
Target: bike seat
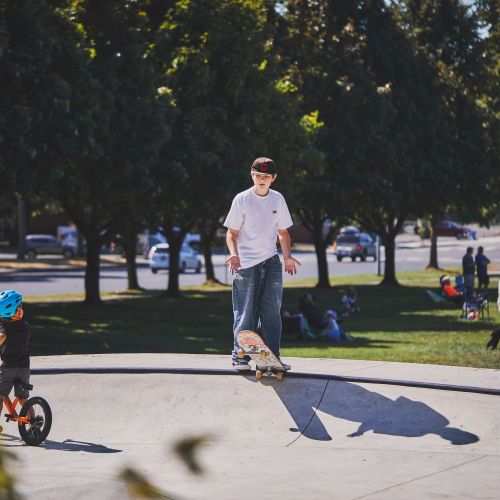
{"x": 21, "y": 385}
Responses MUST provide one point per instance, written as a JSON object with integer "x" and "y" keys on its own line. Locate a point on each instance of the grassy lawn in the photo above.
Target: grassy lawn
{"x": 395, "y": 324}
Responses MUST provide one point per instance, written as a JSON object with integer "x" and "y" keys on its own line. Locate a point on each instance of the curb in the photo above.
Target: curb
{"x": 299, "y": 375}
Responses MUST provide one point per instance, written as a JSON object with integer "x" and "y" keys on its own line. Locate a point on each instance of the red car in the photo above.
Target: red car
{"x": 445, "y": 228}
{"x": 450, "y": 228}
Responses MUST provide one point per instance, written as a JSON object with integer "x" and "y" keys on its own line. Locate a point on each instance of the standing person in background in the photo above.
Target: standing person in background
{"x": 258, "y": 216}
{"x": 468, "y": 270}
{"x": 483, "y": 279}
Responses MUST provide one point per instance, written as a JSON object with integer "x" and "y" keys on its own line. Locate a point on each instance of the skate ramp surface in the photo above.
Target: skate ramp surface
{"x": 300, "y": 438}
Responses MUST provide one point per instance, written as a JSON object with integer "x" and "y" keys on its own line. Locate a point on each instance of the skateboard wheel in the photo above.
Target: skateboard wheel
{"x": 258, "y": 374}
{"x": 280, "y": 375}
{"x": 241, "y": 353}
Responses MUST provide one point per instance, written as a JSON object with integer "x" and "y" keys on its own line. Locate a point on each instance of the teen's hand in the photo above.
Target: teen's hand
{"x": 234, "y": 263}
{"x": 291, "y": 266}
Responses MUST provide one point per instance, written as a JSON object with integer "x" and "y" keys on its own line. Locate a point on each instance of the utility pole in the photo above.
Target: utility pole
{"x": 379, "y": 266}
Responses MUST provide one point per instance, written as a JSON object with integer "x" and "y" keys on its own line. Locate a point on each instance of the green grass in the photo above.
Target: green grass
{"x": 395, "y": 324}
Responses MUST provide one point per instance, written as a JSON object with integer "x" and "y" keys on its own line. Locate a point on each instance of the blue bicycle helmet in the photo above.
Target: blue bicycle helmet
{"x": 10, "y": 300}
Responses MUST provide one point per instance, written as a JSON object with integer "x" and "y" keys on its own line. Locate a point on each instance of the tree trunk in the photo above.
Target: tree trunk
{"x": 175, "y": 240}
{"x": 129, "y": 247}
{"x": 21, "y": 228}
{"x": 92, "y": 294}
{"x": 81, "y": 245}
{"x": 433, "y": 258}
{"x": 320, "y": 248}
{"x": 208, "y": 232}
{"x": 390, "y": 260}
{"x": 314, "y": 221}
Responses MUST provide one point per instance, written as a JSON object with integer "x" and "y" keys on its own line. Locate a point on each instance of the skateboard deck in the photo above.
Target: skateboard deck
{"x": 266, "y": 363}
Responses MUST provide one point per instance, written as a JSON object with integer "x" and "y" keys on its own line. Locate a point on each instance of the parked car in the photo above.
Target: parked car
{"x": 46, "y": 244}
{"x": 445, "y": 228}
{"x": 450, "y": 228}
{"x": 349, "y": 230}
{"x": 148, "y": 240}
{"x": 355, "y": 245}
{"x": 159, "y": 258}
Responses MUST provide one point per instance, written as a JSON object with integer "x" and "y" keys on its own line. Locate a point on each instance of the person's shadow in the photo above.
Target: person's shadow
{"x": 374, "y": 412}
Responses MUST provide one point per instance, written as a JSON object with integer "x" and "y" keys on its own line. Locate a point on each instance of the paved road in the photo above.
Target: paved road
{"x": 411, "y": 254}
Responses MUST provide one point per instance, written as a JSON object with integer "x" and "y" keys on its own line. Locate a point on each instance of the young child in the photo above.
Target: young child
{"x": 15, "y": 341}
{"x": 258, "y": 216}
{"x": 350, "y": 302}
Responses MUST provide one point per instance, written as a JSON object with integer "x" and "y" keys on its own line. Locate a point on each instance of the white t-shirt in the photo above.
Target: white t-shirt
{"x": 257, "y": 218}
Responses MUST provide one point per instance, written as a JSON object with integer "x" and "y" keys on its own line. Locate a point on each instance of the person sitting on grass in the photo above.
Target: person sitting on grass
{"x": 317, "y": 323}
{"x": 292, "y": 325}
{"x": 350, "y": 302}
{"x": 451, "y": 293}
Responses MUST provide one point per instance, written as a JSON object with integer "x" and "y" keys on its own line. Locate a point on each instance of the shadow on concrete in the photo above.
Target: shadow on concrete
{"x": 66, "y": 445}
{"x": 71, "y": 445}
{"x": 374, "y": 412}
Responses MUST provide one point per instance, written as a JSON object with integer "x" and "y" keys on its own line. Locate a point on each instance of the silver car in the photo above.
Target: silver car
{"x": 46, "y": 244}
{"x": 159, "y": 258}
{"x": 360, "y": 245}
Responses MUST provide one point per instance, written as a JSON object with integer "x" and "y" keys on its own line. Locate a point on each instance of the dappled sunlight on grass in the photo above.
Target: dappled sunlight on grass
{"x": 79, "y": 331}
{"x": 54, "y": 319}
{"x": 395, "y": 324}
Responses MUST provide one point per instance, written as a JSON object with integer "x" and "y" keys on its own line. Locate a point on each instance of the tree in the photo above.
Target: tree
{"x": 447, "y": 32}
{"x": 225, "y": 109}
{"x": 37, "y": 52}
{"x": 356, "y": 69}
{"x": 489, "y": 97}
{"x": 140, "y": 120}
{"x": 103, "y": 180}
{"x": 313, "y": 49}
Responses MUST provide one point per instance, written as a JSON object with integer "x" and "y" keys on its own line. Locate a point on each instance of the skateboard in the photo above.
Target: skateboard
{"x": 251, "y": 344}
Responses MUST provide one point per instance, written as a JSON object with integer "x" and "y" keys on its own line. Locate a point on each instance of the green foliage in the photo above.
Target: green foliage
{"x": 37, "y": 48}
{"x": 7, "y": 480}
{"x": 448, "y": 33}
{"x": 390, "y": 84}
{"x": 489, "y": 95}
{"x": 226, "y": 111}
{"x": 150, "y": 111}
{"x": 187, "y": 450}
{"x": 140, "y": 487}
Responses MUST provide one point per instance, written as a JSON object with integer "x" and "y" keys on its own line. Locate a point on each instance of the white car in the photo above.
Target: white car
{"x": 159, "y": 258}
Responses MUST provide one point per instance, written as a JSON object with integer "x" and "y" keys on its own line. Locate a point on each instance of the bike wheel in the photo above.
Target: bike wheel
{"x": 36, "y": 431}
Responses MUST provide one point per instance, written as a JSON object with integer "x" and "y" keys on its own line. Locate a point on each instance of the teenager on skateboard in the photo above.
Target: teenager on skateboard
{"x": 257, "y": 217}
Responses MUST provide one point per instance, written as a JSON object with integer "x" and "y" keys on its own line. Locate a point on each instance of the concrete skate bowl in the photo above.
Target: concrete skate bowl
{"x": 300, "y": 438}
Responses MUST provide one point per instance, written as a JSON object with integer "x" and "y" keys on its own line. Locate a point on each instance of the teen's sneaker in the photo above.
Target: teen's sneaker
{"x": 285, "y": 366}
{"x": 241, "y": 366}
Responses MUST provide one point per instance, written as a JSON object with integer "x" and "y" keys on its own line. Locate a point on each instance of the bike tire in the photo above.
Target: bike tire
{"x": 34, "y": 435}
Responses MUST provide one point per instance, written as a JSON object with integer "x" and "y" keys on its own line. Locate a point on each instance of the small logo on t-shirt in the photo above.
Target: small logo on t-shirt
{"x": 275, "y": 211}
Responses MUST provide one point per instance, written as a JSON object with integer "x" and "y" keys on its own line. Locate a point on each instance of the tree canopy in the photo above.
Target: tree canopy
{"x": 137, "y": 113}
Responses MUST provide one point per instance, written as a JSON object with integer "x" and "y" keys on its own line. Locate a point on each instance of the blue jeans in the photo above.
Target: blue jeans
{"x": 469, "y": 284}
{"x": 257, "y": 295}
